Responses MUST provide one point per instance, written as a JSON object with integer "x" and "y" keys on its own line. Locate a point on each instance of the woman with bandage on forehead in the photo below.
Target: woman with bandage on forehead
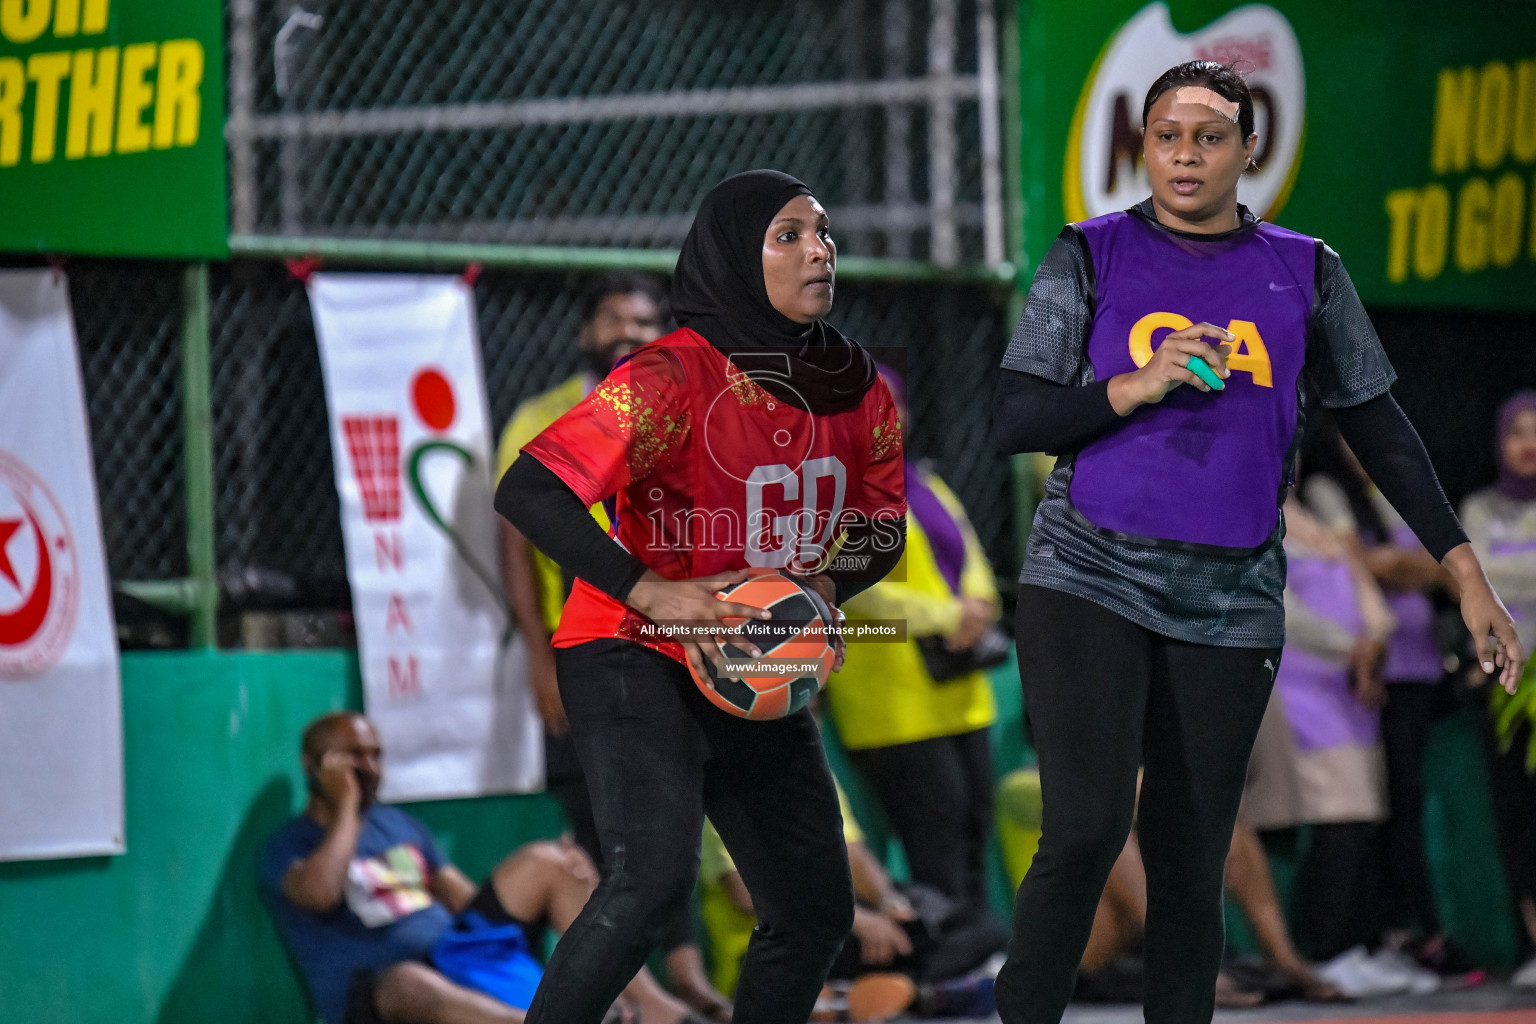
{"x": 1166, "y": 353}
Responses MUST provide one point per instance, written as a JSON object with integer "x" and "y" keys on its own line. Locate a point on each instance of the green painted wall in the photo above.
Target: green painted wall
{"x": 173, "y": 932}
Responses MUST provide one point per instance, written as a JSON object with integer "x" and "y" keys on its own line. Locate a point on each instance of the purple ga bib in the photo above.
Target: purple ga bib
{"x": 1197, "y": 469}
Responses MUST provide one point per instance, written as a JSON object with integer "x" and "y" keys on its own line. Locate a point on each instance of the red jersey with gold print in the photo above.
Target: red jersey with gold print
{"x": 707, "y": 472}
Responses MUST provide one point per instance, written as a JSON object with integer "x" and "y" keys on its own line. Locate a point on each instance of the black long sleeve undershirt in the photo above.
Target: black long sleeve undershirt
{"x": 866, "y": 535}
{"x": 546, "y": 511}
{"x": 1032, "y": 414}
{"x": 1394, "y": 458}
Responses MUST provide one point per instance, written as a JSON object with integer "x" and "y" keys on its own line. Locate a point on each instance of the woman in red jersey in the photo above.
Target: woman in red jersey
{"x": 754, "y": 436}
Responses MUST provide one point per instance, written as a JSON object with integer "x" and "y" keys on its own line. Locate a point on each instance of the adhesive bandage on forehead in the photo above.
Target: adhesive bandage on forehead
{"x": 1201, "y": 96}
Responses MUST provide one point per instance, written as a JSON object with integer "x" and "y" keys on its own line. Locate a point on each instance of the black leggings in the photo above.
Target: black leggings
{"x": 657, "y": 755}
{"x": 563, "y": 779}
{"x": 938, "y": 796}
{"x": 1106, "y": 696}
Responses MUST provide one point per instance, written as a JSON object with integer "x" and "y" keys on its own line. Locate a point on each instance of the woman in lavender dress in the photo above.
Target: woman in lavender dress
{"x": 1346, "y": 501}
{"x": 1501, "y": 522}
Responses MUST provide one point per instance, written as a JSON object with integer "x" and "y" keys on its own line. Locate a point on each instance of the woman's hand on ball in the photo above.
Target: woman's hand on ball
{"x": 839, "y": 639}
{"x": 694, "y": 602}
{"x": 826, "y": 588}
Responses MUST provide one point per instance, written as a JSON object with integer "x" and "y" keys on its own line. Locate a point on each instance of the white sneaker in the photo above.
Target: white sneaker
{"x": 1391, "y": 962}
{"x": 1525, "y": 977}
{"x": 1357, "y": 977}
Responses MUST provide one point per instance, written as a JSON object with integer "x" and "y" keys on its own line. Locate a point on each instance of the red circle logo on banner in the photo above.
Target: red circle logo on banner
{"x": 432, "y": 396}
{"x": 39, "y": 574}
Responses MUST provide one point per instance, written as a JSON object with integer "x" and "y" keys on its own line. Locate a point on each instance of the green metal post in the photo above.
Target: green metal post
{"x": 1024, "y": 496}
{"x": 197, "y": 434}
{"x": 1011, "y": 64}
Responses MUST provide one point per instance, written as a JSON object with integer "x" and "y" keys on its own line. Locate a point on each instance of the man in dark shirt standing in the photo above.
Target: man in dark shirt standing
{"x": 361, "y": 895}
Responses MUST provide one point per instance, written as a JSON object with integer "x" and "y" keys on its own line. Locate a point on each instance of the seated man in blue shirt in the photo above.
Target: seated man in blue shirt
{"x": 361, "y": 895}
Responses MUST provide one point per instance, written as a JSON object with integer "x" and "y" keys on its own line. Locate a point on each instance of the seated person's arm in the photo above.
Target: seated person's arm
{"x": 452, "y": 889}
{"x": 977, "y": 579}
{"x": 316, "y": 883}
{"x": 881, "y": 937}
{"x": 978, "y": 585}
{"x": 872, "y": 887}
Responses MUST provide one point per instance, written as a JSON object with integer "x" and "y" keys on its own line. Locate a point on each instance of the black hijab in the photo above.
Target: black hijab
{"x": 718, "y": 291}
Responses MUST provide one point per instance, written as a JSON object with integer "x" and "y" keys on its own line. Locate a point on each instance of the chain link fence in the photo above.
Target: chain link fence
{"x": 587, "y": 123}
{"x": 278, "y": 523}
{"x": 602, "y": 122}
{"x": 128, "y": 318}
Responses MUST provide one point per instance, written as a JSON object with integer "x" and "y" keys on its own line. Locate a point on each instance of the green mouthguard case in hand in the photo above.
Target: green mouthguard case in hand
{"x": 1200, "y": 368}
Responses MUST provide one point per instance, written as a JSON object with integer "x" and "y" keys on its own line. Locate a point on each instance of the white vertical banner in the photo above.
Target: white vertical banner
{"x": 61, "y": 730}
{"x": 410, "y": 438}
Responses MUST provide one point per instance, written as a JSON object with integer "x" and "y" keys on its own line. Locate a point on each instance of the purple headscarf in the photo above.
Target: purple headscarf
{"x": 1511, "y": 484}
{"x": 945, "y": 537}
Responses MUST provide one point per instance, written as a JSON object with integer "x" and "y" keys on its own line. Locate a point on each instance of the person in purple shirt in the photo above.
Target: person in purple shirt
{"x": 361, "y": 896}
{"x": 1150, "y": 613}
{"x": 1413, "y": 671}
{"x": 1501, "y": 522}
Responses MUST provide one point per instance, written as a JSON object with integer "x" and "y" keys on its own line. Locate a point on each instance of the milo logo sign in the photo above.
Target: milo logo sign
{"x": 1103, "y": 170}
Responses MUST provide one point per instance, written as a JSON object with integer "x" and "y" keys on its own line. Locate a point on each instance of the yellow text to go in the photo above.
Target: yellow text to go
{"x": 1483, "y": 223}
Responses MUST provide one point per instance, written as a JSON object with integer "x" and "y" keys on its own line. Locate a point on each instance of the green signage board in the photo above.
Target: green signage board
{"x": 111, "y": 127}
{"x": 1403, "y": 132}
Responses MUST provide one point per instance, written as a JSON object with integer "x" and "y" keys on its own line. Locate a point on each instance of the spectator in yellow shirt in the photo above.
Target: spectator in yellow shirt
{"x": 919, "y": 738}
{"x": 620, "y": 311}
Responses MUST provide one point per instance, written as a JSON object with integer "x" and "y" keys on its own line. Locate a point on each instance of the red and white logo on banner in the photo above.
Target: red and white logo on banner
{"x": 61, "y": 755}
{"x": 444, "y": 678}
{"x": 39, "y": 574}
{"x": 373, "y": 443}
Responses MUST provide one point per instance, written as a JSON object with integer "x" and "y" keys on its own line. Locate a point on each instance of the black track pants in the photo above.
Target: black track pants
{"x": 1105, "y": 697}
{"x": 657, "y": 755}
{"x": 938, "y": 796}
